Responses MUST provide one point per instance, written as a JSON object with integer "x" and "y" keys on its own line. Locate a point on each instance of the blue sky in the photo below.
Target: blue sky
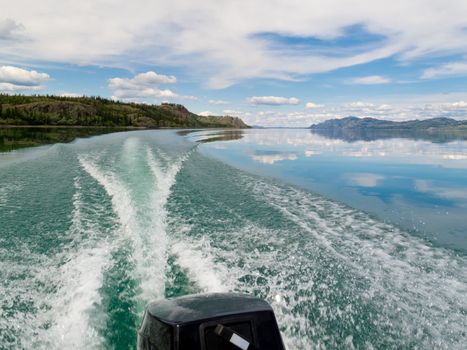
{"x": 272, "y": 63}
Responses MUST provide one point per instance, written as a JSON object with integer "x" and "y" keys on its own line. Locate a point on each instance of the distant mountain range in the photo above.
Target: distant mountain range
{"x": 20, "y": 110}
{"x": 354, "y": 128}
{"x": 373, "y": 123}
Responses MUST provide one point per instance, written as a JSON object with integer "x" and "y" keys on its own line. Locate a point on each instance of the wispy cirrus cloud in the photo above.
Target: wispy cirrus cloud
{"x": 180, "y": 33}
{"x": 14, "y": 79}
{"x": 446, "y": 70}
{"x": 218, "y": 102}
{"x": 369, "y": 80}
{"x": 273, "y": 100}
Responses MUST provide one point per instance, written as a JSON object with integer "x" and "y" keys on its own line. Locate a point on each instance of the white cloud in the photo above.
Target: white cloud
{"x": 141, "y": 80}
{"x": 145, "y": 92}
{"x": 312, "y": 105}
{"x": 9, "y": 29}
{"x": 236, "y": 113}
{"x": 273, "y": 100}
{"x": 13, "y": 79}
{"x": 181, "y": 33}
{"x": 360, "y": 104}
{"x": 446, "y": 70}
{"x": 369, "y": 80}
{"x": 218, "y": 102}
{"x": 409, "y": 108}
{"x": 290, "y": 119}
{"x": 7, "y": 87}
{"x": 144, "y": 85}
{"x": 459, "y": 104}
{"x": 405, "y": 110}
{"x": 19, "y": 76}
{"x": 206, "y": 113}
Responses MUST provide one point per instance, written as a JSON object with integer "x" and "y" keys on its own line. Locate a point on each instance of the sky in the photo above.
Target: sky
{"x": 269, "y": 62}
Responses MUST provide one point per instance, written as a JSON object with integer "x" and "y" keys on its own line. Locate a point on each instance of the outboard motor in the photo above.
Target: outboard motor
{"x": 210, "y": 322}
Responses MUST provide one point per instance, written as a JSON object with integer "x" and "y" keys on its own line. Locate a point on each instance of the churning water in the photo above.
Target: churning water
{"x": 92, "y": 231}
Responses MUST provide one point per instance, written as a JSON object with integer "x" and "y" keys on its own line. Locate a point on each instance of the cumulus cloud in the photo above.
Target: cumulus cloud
{"x": 143, "y": 92}
{"x": 19, "y": 76}
{"x": 13, "y": 79}
{"x": 405, "y": 110}
{"x": 459, "y": 104}
{"x": 312, "y": 105}
{"x": 446, "y": 70}
{"x": 273, "y": 100}
{"x": 236, "y": 113}
{"x": 206, "y": 113}
{"x": 218, "y": 102}
{"x": 408, "y": 109}
{"x": 359, "y": 104}
{"x": 141, "y": 80}
{"x": 369, "y": 80}
{"x": 291, "y": 119}
{"x": 144, "y": 85}
{"x": 9, "y": 28}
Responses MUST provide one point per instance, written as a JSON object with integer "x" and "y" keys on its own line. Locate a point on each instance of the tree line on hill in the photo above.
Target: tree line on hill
{"x": 51, "y": 110}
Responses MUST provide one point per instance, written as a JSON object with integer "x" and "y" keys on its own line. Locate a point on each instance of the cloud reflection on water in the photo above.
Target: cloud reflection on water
{"x": 451, "y": 154}
{"x": 418, "y": 184}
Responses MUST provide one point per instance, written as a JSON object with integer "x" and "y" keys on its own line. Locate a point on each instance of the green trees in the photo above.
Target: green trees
{"x": 98, "y": 111}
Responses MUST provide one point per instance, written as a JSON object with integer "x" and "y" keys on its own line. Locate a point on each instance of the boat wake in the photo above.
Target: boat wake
{"x": 112, "y": 259}
{"x": 143, "y": 221}
{"x": 335, "y": 276}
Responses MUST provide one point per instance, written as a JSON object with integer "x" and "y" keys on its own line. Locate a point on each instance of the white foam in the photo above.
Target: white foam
{"x": 6, "y": 190}
{"x": 61, "y": 290}
{"x": 129, "y": 227}
{"x": 156, "y": 237}
{"x": 81, "y": 277}
{"x": 144, "y": 223}
{"x": 321, "y": 262}
{"x": 196, "y": 259}
{"x": 3, "y": 196}
{"x": 76, "y": 299}
{"x": 429, "y": 284}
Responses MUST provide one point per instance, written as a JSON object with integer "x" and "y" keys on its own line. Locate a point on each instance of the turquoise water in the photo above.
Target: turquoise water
{"x": 91, "y": 231}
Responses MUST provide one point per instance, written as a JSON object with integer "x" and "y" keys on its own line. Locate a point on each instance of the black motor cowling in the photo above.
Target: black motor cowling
{"x": 210, "y": 322}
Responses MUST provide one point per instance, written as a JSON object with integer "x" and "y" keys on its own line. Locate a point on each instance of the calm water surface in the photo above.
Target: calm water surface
{"x": 417, "y": 184}
{"x": 355, "y": 245}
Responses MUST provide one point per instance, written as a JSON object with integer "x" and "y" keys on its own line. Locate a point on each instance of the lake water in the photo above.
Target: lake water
{"x": 12, "y": 138}
{"x": 356, "y": 244}
{"x": 419, "y": 185}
